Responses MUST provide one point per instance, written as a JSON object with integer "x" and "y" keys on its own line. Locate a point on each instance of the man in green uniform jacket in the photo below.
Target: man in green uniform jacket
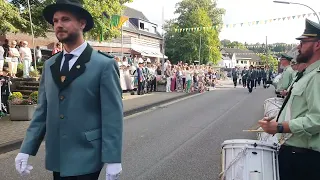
{"x": 287, "y": 75}
{"x": 298, "y": 123}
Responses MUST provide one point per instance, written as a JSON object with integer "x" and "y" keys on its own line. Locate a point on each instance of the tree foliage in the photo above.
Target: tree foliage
{"x": 96, "y": 8}
{"x": 11, "y": 21}
{"x": 235, "y": 44}
{"x": 269, "y": 60}
{"x": 185, "y": 46}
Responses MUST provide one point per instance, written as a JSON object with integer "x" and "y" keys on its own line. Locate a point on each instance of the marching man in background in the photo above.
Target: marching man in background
{"x": 79, "y": 107}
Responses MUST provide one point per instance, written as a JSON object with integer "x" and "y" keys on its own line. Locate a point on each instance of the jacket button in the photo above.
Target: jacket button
{"x": 61, "y": 116}
{"x": 61, "y": 98}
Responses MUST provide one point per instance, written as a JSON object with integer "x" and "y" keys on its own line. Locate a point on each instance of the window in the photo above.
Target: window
{"x": 154, "y": 29}
{"x": 241, "y": 62}
{"x": 141, "y": 25}
{"x": 237, "y": 61}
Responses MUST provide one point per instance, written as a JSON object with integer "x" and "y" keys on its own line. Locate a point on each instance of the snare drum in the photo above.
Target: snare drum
{"x": 272, "y": 106}
{"x": 244, "y": 159}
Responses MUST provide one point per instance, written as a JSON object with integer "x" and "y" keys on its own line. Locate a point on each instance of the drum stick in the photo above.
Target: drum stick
{"x": 253, "y": 130}
{"x": 269, "y": 118}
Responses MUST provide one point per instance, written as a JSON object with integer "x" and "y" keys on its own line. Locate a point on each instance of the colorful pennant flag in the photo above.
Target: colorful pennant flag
{"x": 117, "y": 21}
{"x": 247, "y": 23}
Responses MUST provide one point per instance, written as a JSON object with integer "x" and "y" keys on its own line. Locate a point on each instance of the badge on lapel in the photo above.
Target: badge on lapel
{"x": 63, "y": 78}
{"x": 78, "y": 67}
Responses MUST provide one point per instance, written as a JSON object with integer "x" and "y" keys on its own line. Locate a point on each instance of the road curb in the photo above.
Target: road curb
{"x": 14, "y": 145}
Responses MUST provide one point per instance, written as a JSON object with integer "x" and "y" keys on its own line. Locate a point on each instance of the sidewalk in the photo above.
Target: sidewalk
{"x": 13, "y": 132}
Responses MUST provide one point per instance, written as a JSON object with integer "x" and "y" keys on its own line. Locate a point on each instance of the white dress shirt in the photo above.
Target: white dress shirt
{"x": 76, "y": 54}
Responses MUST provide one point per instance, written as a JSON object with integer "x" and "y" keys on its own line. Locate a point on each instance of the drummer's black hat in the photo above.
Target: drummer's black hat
{"x": 287, "y": 57}
{"x": 312, "y": 30}
{"x": 73, "y": 6}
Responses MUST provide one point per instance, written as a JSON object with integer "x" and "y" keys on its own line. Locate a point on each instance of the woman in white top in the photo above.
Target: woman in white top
{"x": 26, "y": 58}
{"x": 14, "y": 55}
{"x": 1, "y": 58}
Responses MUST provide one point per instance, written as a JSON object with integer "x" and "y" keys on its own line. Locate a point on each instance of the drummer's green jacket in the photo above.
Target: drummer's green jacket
{"x": 286, "y": 79}
{"x": 305, "y": 110}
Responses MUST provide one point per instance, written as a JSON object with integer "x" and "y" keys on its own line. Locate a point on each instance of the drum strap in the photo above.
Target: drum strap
{"x": 240, "y": 155}
{"x": 299, "y": 76}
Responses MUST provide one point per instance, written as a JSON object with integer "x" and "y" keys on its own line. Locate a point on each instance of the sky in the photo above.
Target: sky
{"x": 244, "y": 11}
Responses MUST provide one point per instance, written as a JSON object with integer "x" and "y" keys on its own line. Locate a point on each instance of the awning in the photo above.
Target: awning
{"x": 149, "y": 53}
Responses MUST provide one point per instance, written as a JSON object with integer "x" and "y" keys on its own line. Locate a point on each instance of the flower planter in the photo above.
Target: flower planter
{"x": 21, "y": 112}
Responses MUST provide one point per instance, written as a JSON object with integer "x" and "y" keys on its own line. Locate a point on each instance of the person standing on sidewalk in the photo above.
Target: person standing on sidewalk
{"x": 79, "y": 109}
{"x": 26, "y": 58}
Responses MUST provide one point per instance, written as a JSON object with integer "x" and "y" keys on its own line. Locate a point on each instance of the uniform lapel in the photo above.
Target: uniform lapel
{"x": 55, "y": 70}
{"x": 78, "y": 68}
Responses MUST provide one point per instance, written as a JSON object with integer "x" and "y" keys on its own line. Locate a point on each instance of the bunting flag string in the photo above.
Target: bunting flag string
{"x": 262, "y": 46}
{"x": 270, "y": 53}
{"x": 195, "y": 29}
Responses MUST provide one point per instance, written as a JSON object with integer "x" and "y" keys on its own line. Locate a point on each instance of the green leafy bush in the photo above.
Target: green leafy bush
{"x": 16, "y": 95}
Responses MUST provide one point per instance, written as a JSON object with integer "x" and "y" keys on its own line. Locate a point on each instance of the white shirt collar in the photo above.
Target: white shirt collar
{"x": 78, "y": 51}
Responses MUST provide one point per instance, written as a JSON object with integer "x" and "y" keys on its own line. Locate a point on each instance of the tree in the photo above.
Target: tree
{"x": 235, "y": 44}
{"x": 11, "y": 20}
{"x": 96, "y": 8}
{"x": 269, "y": 60}
{"x": 185, "y": 46}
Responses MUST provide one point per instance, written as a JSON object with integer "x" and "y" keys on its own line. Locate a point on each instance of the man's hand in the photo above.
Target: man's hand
{"x": 113, "y": 171}
{"x": 22, "y": 166}
{"x": 284, "y": 92}
{"x": 269, "y": 127}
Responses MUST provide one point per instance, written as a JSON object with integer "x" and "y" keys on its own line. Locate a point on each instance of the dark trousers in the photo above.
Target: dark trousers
{"x": 93, "y": 176}
{"x": 140, "y": 88}
{"x": 235, "y": 82}
{"x": 244, "y": 82}
{"x": 250, "y": 84}
{"x": 4, "y": 99}
{"x": 154, "y": 85}
{"x": 258, "y": 81}
{"x": 298, "y": 164}
{"x": 264, "y": 82}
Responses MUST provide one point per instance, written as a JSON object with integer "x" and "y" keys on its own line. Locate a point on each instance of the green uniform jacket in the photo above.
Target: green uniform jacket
{"x": 286, "y": 79}
{"x": 303, "y": 108}
{"x": 81, "y": 117}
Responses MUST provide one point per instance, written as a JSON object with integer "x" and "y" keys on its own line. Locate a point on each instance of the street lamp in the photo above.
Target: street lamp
{"x": 284, "y": 2}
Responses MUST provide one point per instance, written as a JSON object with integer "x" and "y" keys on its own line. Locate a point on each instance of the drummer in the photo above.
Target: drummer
{"x": 287, "y": 75}
{"x": 298, "y": 123}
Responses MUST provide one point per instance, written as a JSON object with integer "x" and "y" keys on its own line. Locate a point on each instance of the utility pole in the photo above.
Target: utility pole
{"x": 267, "y": 52}
{"x": 200, "y": 51}
{"x": 162, "y": 61}
{"x": 33, "y": 44}
{"x": 121, "y": 42}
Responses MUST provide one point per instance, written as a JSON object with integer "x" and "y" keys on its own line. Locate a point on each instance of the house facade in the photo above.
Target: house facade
{"x": 140, "y": 37}
{"x": 232, "y": 57}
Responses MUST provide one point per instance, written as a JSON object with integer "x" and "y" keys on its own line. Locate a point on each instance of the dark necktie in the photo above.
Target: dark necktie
{"x": 299, "y": 76}
{"x": 65, "y": 66}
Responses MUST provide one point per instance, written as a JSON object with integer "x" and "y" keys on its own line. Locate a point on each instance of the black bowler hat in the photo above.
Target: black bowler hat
{"x": 73, "y": 6}
{"x": 312, "y": 30}
{"x": 285, "y": 56}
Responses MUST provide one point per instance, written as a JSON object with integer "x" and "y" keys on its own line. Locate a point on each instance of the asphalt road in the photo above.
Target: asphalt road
{"x": 180, "y": 141}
